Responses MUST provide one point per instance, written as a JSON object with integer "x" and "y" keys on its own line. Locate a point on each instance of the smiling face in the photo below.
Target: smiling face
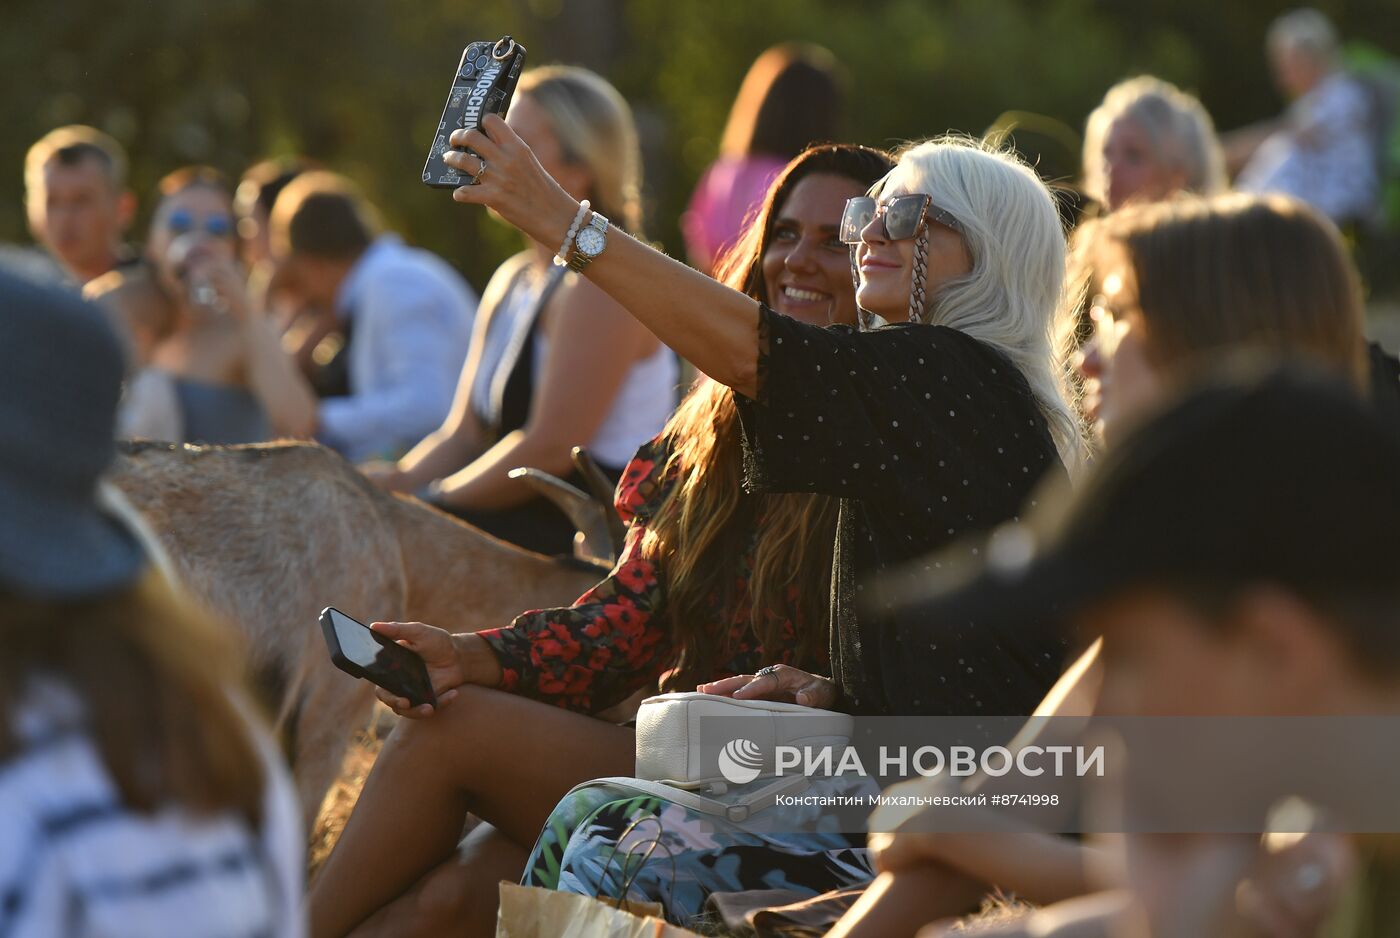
{"x": 1132, "y": 170}
{"x": 806, "y": 268}
{"x": 887, "y": 267}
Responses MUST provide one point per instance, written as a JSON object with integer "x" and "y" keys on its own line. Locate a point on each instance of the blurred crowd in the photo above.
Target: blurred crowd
{"x": 1159, "y": 369}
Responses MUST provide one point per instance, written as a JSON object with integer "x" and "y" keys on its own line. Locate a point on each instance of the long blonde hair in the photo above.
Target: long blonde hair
{"x": 595, "y": 128}
{"x": 1015, "y": 290}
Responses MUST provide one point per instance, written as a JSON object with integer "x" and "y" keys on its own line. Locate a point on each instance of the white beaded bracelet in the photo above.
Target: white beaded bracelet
{"x": 562, "y": 258}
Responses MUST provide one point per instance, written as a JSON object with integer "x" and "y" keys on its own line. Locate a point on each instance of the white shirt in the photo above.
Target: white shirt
{"x": 75, "y": 861}
{"x": 643, "y": 403}
{"x": 411, "y": 319}
{"x": 1326, "y": 155}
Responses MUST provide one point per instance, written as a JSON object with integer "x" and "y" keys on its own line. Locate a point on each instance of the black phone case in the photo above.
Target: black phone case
{"x": 407, "y": 658}
{"x": 483, "y": 84}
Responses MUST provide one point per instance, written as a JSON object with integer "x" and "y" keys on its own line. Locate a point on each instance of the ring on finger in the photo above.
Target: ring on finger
{"x": 480, "y": 173}
{"x": 764, "y": 672}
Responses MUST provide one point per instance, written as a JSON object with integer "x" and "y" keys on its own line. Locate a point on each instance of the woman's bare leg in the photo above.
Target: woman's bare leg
{"x": 457, "y": 898}
{"x": 898, "y": 904}
{"x": 503, "y": 758}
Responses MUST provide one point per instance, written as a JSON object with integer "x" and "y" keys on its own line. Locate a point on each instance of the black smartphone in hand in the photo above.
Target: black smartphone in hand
{"x": 483, "y": 84}
{"x": 362, "y": 652}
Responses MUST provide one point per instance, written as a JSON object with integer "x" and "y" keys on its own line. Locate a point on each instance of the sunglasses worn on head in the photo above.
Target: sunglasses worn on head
{"x": 900, "y": 216}
{"x": 216, "y": 226}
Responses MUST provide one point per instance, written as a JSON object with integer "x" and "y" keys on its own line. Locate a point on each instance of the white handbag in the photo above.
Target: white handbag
{"x": 675, "y": 762}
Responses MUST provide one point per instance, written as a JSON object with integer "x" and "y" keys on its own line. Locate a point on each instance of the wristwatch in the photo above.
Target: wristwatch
{"x": 589, "y": 242}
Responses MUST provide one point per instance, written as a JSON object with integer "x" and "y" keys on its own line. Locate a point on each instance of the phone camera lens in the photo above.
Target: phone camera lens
{"x": 483, "y": 61}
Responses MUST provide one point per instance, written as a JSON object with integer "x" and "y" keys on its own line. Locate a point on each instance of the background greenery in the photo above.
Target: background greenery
{"x": 360, "y": 85}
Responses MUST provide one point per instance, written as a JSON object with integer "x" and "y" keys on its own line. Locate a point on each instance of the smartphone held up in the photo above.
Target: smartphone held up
{"x": 483, "y": 84}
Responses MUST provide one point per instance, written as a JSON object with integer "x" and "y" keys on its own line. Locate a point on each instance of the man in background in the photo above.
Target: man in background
{"x": 404, "y": 317}
{"x": 77, "y": 201}
{"x": 1325, "y": 151}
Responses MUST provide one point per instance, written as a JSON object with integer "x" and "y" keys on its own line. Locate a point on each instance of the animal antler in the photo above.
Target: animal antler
{"x": 602, "y": 490}
{"x": 593, "y": 540}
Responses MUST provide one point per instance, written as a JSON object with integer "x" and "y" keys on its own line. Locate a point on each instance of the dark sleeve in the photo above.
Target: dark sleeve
{"x": 608, "y": 644}
{"x": 850, "y": 414}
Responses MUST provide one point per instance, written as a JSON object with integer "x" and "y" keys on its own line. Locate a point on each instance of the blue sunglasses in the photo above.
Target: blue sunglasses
{"x": 216, "y": 226}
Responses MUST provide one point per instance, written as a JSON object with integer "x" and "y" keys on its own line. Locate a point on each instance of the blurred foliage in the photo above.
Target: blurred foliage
{"x": 360, "y": 85}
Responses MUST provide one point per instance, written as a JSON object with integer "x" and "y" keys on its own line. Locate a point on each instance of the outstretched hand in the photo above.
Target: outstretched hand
{"x": 783, "y": 683}
{"x": 511, "y": 181}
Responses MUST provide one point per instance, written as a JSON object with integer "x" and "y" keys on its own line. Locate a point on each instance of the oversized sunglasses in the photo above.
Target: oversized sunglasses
{"x": 216, "y": 226}
{"x": 900, "y": 216}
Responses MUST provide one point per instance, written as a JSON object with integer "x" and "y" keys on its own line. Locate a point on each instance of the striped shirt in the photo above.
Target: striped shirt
{"x": 75, "y": 861}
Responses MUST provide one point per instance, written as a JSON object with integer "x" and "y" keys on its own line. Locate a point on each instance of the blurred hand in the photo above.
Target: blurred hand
{"x": 217, "y": 284}
{"x": 1292, "y": 891}
{"x": 894, "y": 852}
{"x": 514, "y": 183}
{"x": 786, "y": 684}
{"x": 452, "y": 660}
{"x": 385, "y": 473}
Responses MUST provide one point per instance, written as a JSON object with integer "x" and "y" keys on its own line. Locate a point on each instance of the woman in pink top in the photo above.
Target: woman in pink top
{"x": 790, "y": 98}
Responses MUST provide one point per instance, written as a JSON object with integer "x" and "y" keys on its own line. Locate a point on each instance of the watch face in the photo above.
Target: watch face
{"x": 590, "y": 241}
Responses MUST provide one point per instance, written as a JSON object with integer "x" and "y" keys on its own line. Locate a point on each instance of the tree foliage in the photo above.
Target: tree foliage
{"x": 360, "y": 86}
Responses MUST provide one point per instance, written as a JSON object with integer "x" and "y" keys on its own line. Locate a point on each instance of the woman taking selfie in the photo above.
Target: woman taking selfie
{"x": 934, "y": 426}
{"x": 710, "y": 583}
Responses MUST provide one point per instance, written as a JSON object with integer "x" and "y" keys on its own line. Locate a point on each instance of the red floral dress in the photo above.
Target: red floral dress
{"x": 617, "y": 638}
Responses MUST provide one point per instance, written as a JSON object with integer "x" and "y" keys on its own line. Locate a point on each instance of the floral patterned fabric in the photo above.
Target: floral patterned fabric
{"x": 615, "y": 639}
{"x": 608, "y": 840}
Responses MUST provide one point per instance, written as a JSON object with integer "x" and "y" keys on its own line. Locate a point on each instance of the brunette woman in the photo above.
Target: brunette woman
{"x": 790, "y": 99}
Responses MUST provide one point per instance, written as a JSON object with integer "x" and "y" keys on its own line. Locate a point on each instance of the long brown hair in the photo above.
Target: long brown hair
{"x": 791, "y": 98}
{"x": 154, "y": 679}
{"x": 1234, "y": 271}
{"x": 701, "y": 528}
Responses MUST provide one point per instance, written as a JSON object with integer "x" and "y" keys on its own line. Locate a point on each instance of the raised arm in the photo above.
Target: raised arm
{"x": 712, "y": 326}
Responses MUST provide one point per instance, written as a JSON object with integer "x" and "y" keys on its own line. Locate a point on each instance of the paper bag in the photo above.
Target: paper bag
{"x": 531, "y": 912}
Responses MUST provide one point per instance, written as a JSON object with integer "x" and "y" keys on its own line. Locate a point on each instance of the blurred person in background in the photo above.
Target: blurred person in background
{"x": 555, "y": 362}
{"x": 139, "y": 794}
{"x": 77, "y": 201}
{"x": 1251, "y": 577}
{"x": 790, "y": 99}
{"x": 312, "y": 336}
{"x": 1147, "y": 141}
{"x": 234, "y": 382}
{"x": 710, "y": 582}
{"x": 144, "y": 316}
{"x": 1187, "y": 283}
{"x": 257, "y": 192}
{"x": 1325, "y": 149}
{"x": 406, "y": 315}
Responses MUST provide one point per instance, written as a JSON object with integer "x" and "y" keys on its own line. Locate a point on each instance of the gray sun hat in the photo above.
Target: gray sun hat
{"x": 61, "y": 369}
